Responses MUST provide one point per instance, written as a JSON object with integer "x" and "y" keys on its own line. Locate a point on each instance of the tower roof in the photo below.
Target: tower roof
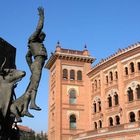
{"x": 69, "y": 54}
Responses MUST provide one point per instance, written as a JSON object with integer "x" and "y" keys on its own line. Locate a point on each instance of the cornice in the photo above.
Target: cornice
{"x": 115, "y": 55}
{"x": 71, "y": 57}
{"x": 51, "y": 60}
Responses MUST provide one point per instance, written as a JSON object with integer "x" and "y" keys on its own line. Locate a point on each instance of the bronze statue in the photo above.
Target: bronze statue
{"x": 8, "y": 79}
{"x": 36, "y": 50}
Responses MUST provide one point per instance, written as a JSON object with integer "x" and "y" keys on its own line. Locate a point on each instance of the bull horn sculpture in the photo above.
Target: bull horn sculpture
{"x": 1, "y": 68}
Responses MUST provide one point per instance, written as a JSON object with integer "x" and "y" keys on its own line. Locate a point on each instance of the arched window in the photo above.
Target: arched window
{"x": 92, "y": 87}
{"x": 99, "y": 83}
{"x": 79, "y": 75}
{"x": 132, "y": 117}
{"x": 72, "y": 75}
{"x": 116, "y": 99}
{"x": 65, "y": 74}
{"x": 110, "y": 121}
{"x": 95, "y": 83}
{"x": 111, "y": 76}
{"x": 107, "y": 79}
{"x": 116, "y": 75}
{"x": 99, "y": 105}
{"x": 72, "y": 97}
{"x": 94, "y": 105}
{"x": 117, "y": 120}
{"x": 130, "y": 94}
{"x": 126, "y": 71}
{"x": 53, "y": 95}
{"x": 100, "y": 123}
{"x": 72, "y": 121}
{"x": 52, "y": 116}
{"x": 138, "y": 91}
{"x": 132, "y": 67}
{"x": 95, "y": 125}
{"x": 138, "y": 65}
{"x": 109, "y": 101}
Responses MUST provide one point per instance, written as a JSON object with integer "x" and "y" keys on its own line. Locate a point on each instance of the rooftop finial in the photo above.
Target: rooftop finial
{"x": 58, "y": 44}
{"x": 85, "y": 46}
{"x": 85, "y": 51}
{"x": 58, "y": 47}
{"x": 119, "y": 50}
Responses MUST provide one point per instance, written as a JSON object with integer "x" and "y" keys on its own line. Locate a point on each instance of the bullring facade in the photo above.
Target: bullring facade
{"x": 101, "y": 103}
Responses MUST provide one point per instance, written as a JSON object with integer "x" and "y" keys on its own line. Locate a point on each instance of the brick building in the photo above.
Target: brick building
{"x": 101, "y": 103}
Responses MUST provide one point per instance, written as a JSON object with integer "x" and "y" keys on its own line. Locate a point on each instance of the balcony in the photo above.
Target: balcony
{"x": 131, "y": 104}
{"x": 72, "y": 101}
{"x": 71, "y": 82}
{"x": 113, "y": 109}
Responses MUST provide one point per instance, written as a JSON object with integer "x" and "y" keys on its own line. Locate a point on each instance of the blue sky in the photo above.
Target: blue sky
{"x": 103, "y": 25}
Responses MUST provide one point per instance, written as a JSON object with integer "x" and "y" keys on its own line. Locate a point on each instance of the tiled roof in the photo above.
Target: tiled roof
{"x": 24, "y": 128}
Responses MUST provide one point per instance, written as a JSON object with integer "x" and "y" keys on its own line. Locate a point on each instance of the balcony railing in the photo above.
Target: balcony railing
{"x": 72, "y": 101}
{"x": 72, "y": 125}
{"x": 72, "y": 51}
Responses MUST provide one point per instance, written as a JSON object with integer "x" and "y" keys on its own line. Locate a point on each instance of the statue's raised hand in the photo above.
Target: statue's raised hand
{"x": 41, "y": 11}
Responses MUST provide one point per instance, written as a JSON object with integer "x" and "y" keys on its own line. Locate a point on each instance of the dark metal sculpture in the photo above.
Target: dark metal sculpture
{"x": 8, "y": 81}
{"x": 37, "y": 50}
{"x": 12, "y": 109}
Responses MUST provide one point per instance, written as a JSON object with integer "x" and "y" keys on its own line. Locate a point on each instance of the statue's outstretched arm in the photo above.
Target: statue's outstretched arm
{"x": 40, "y": 24}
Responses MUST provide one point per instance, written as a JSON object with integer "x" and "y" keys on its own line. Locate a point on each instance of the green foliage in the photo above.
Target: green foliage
{"x": 33, "y": 136}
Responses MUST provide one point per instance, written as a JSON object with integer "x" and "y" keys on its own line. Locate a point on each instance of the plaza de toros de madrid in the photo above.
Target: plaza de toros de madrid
{"x": 94, "y": 103}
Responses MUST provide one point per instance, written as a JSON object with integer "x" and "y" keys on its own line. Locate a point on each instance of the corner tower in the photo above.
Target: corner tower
{"x": 69, "y": 93}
